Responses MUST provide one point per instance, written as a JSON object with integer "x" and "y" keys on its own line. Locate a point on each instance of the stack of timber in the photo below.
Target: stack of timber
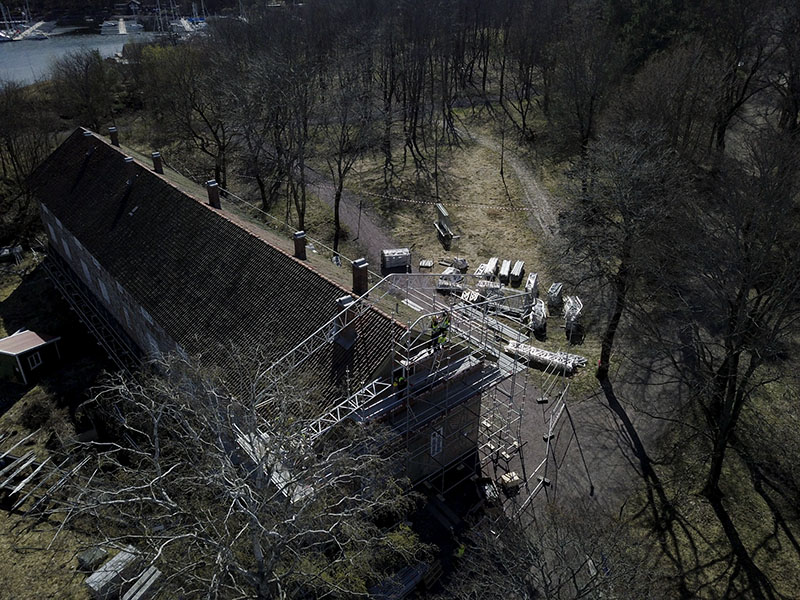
{"x": 554, "y": 298}
{"x": 516, "y": 272}
{"x": 557, "y": 361}
{"x": 145, "y": 586}
{"x": 450, "y": 281}
{"x": 505, "y": 271}
{"x": 444, "y": 230}
{"x": 573, "y": 309}
{"x": 491, "y": 266}
{"x": 532, "y": 284}
{"x": 538, "y": 318}
{"x": 108, "y": 579}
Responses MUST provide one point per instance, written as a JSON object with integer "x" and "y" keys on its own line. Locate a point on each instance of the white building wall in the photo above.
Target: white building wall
{"x": 133, "y": 318}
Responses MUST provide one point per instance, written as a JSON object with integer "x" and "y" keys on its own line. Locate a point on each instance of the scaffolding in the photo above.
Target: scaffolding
{"x": 458, "y": 362}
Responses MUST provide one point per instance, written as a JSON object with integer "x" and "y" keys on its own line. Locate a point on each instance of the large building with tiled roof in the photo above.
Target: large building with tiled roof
{"x": 153, "y": 269}
{"x": 179, "y": 275}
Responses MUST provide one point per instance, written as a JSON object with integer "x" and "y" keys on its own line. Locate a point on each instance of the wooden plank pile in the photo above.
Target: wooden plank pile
{"x": 505, "y": 271}
{"x": 491, "y": 266}
{"x": 145, "y": 586}
{"x": 106, "y": 581}
{"x": 516, "y": 272}
{"x": 538, "y": 318}
{"x": 532, "y": 284}
{"x": 573, "y": 311}
{"x": 444, "y": 230}
{"x": 554, "y": 297}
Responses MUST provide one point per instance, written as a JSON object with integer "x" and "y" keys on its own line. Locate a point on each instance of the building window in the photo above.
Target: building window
{"x": 86, "y": 271}
{"x": 34, "y": 360}
{"x": 151, "y": 341}
{"x": 53, "y": 235}
{"x": 66, "y": 248}
{"x": 104, "y": 291}
{"x": 437, "y": 437}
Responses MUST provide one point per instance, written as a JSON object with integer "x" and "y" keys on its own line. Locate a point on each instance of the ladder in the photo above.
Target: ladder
{"x": 122, "y": 352}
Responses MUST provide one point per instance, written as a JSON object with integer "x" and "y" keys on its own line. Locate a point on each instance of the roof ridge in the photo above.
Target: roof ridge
{"x": 227, "y": 215}
{"x": 234, "y": 219}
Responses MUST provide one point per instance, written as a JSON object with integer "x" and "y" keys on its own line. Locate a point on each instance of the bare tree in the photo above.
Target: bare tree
{"x": 586, "y": 66}
{"x": 26, "y": 137}
{"x": 227, "y": 505}
{"x": 744, "y": 312}
{"x": 184, "y": 91}
{"x": 558, "y": 553}
{"x": 346, "y": 126}
{"x": 85, "y": 85}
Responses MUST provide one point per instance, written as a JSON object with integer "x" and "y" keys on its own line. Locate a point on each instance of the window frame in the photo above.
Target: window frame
{"x": 437, "y": 441}
{"x": 34, "y": 360}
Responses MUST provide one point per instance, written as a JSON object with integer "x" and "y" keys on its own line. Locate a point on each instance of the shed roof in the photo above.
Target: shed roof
{"x": 22, "y": 341}
{"x": 206, "y": 277}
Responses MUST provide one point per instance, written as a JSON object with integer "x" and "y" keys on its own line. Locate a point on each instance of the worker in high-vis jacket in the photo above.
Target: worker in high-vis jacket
{"x": 440, "y": 326}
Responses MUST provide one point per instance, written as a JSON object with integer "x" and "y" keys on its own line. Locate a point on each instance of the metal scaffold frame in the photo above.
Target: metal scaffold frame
{"x": 441, "y": 381}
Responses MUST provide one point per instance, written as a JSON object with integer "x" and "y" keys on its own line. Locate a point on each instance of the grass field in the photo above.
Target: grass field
{"x": 35, "y": 566}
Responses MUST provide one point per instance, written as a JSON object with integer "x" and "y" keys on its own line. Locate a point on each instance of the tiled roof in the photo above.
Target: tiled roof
{"x": 22, "y": 341}
{"x": 209, "y": 282}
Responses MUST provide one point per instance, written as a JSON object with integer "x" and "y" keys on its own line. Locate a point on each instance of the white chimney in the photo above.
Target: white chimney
{"x": 158, "y": 165}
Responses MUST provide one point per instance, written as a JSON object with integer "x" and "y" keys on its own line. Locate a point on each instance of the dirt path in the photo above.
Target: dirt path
{"x": 370, "y": 231}
{"x": 541, "y": 214}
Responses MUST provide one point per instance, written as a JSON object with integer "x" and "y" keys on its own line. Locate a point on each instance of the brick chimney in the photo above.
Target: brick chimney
{"x": 112, "y": 131}
{"x": 300, "y": 244}
{"x": 360, "y": 277}
{"x": 213, "y": 193}
{"x": 158, "y": 166}
{"x": 130, "y": 169}
{"x": 344, "y": 329}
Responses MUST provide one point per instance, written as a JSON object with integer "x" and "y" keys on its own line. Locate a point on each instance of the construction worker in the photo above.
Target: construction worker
{"x": 434, "y": 331}
{"x": 399, "y": 383}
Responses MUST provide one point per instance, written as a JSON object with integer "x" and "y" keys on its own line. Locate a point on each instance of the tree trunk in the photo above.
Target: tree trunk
{"x": 337, "y": 199}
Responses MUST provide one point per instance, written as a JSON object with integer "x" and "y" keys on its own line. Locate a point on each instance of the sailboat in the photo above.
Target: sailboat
{"x": 7, "y": 34}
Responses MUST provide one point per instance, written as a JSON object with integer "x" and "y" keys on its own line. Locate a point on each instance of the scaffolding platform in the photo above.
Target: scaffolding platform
{"x": 435, "y": 372}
